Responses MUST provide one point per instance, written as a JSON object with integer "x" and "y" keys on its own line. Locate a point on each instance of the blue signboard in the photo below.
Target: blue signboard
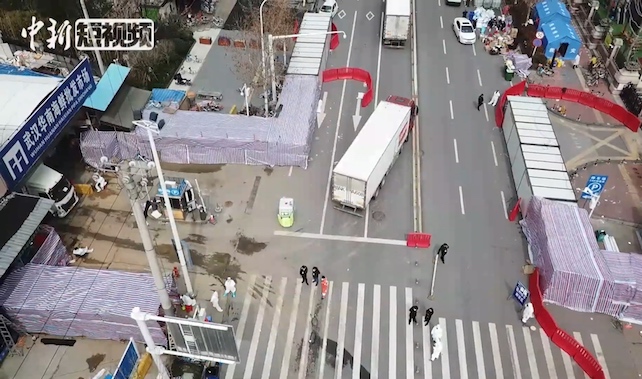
{"x": 173, "y": 190}
{"x": 128, "y": 362}
{"x": 521, "y": 293}
{"x": 28, "y": 144}
{"x": 595, "y": 184}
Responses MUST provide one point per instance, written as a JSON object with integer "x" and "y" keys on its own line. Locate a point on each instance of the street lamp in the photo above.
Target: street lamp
{"x": 152, "y": 127}
{"x": 271, "y": 39}
{"x": 263, "y": 65}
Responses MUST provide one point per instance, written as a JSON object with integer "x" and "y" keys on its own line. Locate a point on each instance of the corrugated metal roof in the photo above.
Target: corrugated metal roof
{"x": 16, "y": 243}
{"x": 7, "y": 69}
{"x": 308, "y": 53}
{"x": 107, "y": 87}
{"x": 169, "y": 95}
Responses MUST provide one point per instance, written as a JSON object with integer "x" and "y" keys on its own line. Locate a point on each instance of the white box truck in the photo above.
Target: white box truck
{"x": 50, "y": 184}
{"x": 362, "y": 170}
{"x": 396, "y": 25}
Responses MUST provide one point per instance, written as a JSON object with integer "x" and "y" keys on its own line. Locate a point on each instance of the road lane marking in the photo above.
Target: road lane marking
{"x": 452, "y": 114}
{"x": 530, "y": 352}
{"x": 326, "y": 325}
{"x": 358, "y": 333}
{"x": 461, "y": 347}
{"x": 578, "y": 338}
{"x": 254, "y": 344}
{"x": 441, "y": 21}
{"x": 548, "y": 354}
{"x": 392, "y": 335}
{"x": 425, "y": 331}
{"x": 517, "y": 371}
{"x": 336, "y": 132}
{"x": 229, "y": 374}
{"x": 305, "y": 348}
{"x": 447, "y": 76}
{"x": 597, "y": 347}
{"x": 330, "y": 237}
{"x": 376, "y": 319}
{"x": 461, "y": 200}
{"x": 379, "y": 62}
{"x": 474, "y": 51}
{"x": 443, "y": 41}
{"x": 479, "y": 78}
{"x": 504, "y": 204}
{"x": 439, "y": 3}
{"x": 410, "y": 355}
{"x": 269, "y": 355}
{"x": 492, "y": 147}
{"x": 494, "y": 344}
{"x": 479, "y": 351}
{"x": 445, "y": 365}
{"x": 343, "y": 321}
{"x": 290, "y": 172}
{"x": 486, "y": 112}
{"x": 456, "y": 151}
{"x": 285, "y": 364}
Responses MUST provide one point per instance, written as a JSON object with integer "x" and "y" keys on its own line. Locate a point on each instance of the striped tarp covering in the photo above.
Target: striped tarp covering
{"x": 75, "y": 302}
{"x": 565, "y": 250}
{"x": 52, "y": 252}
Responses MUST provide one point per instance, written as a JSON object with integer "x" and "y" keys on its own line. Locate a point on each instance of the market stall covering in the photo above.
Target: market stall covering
{"x": 573, "y": 272}
{"x": 75, "y": 302}
{"x": 560, "y": 39}
{"x": 51, "y": 250}
{"x": 548, "y": 10}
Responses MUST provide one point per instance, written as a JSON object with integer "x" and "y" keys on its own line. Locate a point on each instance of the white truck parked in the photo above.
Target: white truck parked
{"x": 50, "y": 184}
{"x": 396, "y": 26}
{"x": 362, "y": 170}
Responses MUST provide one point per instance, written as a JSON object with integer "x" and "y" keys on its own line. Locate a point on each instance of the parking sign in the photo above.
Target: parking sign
{"x": 521, "y": 293}
{"x": 595, "y": 184}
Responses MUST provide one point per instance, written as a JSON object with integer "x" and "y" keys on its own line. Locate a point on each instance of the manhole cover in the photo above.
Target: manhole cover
{"x": 378, "y": 215}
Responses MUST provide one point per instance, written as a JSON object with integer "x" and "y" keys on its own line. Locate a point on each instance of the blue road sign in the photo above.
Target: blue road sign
{"x": 46, "y": 123}
{"x": 521, "y": 293}
{"x": 595, "y": 184}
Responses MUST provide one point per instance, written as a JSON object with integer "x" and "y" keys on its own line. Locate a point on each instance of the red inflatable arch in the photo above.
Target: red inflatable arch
{"x": 349, "y": 73}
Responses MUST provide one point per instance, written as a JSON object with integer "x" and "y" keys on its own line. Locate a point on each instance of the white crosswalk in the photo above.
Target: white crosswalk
{"x": 285, "y": 330}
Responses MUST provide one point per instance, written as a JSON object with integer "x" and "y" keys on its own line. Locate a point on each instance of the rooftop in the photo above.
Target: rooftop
{"x": 19, "y": 97}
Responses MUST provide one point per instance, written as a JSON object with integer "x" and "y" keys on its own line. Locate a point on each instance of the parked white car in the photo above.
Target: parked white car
{"x": 464, "y": 31}
{"x": 330, "y": 6}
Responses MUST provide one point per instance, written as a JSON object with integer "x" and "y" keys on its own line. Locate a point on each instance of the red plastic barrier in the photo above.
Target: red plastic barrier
{"x": 553, "y": 93}
{"x": 334, "y": 40}
{"x": 349, "y": 73}
{"x": 515, "y": 90}
{"x": 535, "y": 90}
{"x": 296, "y": 29}
{"x": 418, "y": 240}
{"x": 587, "y": 99}
{"x": 571, "y": 94}
{"x": 559, "y": 337}
{"x": 515, "y": 211}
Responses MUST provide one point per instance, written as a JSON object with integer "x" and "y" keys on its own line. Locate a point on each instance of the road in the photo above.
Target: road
{"x": 360, "y": 331}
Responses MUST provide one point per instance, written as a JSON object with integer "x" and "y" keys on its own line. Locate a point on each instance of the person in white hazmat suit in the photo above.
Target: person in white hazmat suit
{"x": 528, "y": 312}
{"x": 230, "y": 287}
{"x": 436, "y": 334}
{"x": 214, "y": 301}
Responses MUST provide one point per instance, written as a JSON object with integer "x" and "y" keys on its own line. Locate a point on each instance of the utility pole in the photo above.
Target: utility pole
{"x": 133, "y": 177}
{"x": 99, "y": 57}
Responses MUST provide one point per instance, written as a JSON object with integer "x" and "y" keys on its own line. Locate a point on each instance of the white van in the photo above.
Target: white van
{"x": 330, "y": 6}
{"x": 50, "y": 184}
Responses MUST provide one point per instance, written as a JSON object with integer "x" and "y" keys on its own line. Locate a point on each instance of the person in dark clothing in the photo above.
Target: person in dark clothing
{"x": 480, "y": 101}
{"x": 315, "y": 275}
{"x": 428, "y": 316}
{"x": 412, "y": 317}
{"x": 443, "y": 250}
{"x": 464, "y": 14}
{"x": 303, "y": 271}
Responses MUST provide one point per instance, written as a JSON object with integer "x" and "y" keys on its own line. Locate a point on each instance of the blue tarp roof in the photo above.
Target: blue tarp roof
{"x": 549, "y": 9}
{"x": 107, "y": 87}
{"x": 7, "y": 69}
{"x": 169, "y": 95}
{"x": 559, "y": 30}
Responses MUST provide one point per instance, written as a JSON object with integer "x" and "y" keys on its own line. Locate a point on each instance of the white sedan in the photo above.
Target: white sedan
{"x": 464, "y": 31}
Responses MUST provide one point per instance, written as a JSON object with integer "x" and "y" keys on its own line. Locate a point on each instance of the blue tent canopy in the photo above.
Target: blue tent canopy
{"x": 548, "y": 10}
{"x": 107, "y": 87}
{"x": 560, "y": 36}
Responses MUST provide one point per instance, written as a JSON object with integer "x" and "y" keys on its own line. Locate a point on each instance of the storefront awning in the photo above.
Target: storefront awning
{"x": 20, "y": 216}
{"x": 107, "y": 87}
{"x": 120, "y": 113}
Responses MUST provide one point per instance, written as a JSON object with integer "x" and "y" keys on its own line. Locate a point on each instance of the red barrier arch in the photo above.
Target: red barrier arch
{"x": 350, "y": 73}
{"x": 616, "y": 111}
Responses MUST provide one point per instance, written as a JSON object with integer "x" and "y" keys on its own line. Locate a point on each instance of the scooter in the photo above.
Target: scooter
{"x": 178, "y": 79}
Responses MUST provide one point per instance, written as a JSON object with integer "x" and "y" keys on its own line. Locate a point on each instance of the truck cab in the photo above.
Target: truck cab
{"x": 50, "y": 184}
